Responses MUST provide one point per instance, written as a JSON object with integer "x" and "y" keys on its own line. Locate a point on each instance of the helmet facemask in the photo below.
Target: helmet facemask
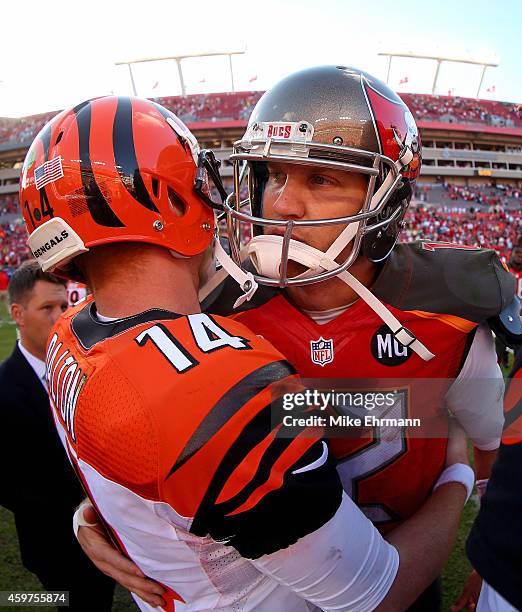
{"x": 333, "y": 117}
{"x": 380, "y": 210}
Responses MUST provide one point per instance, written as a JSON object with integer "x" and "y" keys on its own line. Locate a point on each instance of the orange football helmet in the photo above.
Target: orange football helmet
{"x": 115, "y": 169}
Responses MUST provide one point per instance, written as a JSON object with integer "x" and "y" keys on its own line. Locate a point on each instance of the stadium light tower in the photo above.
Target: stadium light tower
{"x": 439, "y": 60}
{"x": 178, "y": 59}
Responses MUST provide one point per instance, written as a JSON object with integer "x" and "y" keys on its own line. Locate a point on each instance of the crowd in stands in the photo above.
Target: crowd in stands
{"x": 498, "y": 196}
{"x": 191, "y": 109}
{"x": 498, "y": 230}
{"x": 212, "y": 107}
{"x": 13, "y": 247}
{"x": 7, "y": 127}
{"x": 480, "y": 196}
{"x": 8, "y": 205}
{"x": 22, "y": 130}
{"x": 453, "y": 109}
{"x": 238, "y": 106}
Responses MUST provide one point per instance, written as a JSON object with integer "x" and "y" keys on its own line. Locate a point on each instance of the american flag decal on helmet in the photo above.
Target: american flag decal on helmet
{"x": 48, "y": 172}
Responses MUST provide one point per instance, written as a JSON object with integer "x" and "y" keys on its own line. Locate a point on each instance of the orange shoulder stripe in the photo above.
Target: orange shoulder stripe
{"x": 458, "y": 323}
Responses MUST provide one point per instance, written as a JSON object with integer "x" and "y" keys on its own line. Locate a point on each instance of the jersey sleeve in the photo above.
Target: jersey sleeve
{"x": 476, "y": 396}
{"x": 261, "y": 476}
{"x": 357, "y": 576}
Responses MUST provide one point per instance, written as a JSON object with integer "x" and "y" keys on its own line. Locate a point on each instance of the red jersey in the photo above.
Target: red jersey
{"x": 441, "y": 295}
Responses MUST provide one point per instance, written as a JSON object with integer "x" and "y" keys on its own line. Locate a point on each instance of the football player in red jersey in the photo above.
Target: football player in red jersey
{"x": 181, "y": 454}
{"x": 329, "y": 159}
{"x": 326, "y": 208}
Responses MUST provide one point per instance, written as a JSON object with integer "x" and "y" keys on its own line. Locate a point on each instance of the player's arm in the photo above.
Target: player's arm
{"x": 277, "y": 499}
{"x": 97, "y": 545}
{"x": 347, "y": 565}
{"x": 508, "y": 327}
{"x": 484, "y": 461}
{"x": 476, "y": 400}
{"x": 431, "y": 531}
{"x": 309, "y": 567}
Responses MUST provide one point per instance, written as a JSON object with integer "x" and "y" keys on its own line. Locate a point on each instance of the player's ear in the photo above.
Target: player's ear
{"x": 17, "y": 314}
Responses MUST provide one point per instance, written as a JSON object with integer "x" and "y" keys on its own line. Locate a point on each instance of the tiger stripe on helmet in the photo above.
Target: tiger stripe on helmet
{"x": 99, "y": 208}
{"x": 125, "y": 155}
{"x": 125, "y": 175}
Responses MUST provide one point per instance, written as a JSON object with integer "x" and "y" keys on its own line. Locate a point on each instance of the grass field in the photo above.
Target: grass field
{"x": 13, "y": 576}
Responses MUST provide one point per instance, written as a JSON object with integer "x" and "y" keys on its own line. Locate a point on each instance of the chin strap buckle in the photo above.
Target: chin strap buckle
{"x": 245, "y": 280}
{"x": 404, "y": 336}
{"x": 249, "y": 287}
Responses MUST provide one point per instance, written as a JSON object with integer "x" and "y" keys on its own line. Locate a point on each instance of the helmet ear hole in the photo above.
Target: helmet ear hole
{"x": 176, "y": 203}
{"x": 378, "y": 244}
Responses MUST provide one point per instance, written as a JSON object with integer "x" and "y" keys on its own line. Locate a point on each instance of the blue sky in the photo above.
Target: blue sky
{"x": 63, "y": 56}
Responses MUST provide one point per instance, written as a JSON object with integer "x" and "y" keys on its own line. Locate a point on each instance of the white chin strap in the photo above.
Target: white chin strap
{"x": 265, "y": 253}
{"x": 244, "y": 279}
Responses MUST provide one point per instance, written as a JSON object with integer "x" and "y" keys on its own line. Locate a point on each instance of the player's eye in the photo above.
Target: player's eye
{"x": 319, "y": 179}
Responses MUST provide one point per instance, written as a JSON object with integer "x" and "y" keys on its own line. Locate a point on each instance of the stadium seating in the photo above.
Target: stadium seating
{"x": 13, "y": 248}
{"x": 19, "y": 131}
{"x": 238, "y": 106}
{"x": 8, "y": 205}
{"x": 497, "y": 230}
{"x": 448, "y": 194}
{"x": 451, "y": 109}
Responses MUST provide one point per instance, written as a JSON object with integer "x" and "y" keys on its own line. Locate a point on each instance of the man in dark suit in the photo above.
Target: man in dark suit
{"x": 37, "y": 482}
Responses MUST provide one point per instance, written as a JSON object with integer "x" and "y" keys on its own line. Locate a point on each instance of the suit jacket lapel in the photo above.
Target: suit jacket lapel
{"x": 26, "y": 379}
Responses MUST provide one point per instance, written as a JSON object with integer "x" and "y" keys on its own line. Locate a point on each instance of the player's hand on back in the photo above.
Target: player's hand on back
{"x": 457, "y": 450}
{"x": 97, "y": 545}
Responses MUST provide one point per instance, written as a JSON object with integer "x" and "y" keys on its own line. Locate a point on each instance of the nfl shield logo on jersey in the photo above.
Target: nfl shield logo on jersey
{"x": 322, "y": 351}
